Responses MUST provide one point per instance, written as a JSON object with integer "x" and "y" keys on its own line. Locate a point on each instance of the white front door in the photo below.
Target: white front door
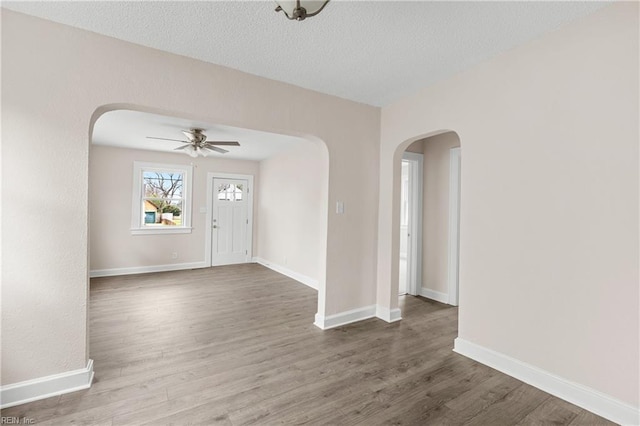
{"x": 229, "y": 221}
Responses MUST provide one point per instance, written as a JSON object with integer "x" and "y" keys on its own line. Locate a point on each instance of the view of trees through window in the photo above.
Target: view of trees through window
{"x": 162, "y": 201}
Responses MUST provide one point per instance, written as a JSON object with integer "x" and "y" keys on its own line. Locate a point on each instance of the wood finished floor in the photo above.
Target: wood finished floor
{"x": 235, "y": 345}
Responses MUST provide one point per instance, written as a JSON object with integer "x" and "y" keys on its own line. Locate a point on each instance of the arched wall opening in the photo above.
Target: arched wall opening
{"x": 388, "y": 286}
{"x": 308, "y": 153}
{"x": 429, "y": 219}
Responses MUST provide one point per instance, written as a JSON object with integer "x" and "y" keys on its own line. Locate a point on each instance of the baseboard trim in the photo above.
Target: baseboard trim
{"x": 344, "y": 318}
{"x": 388, "y": 315}
{"x": 46, "y": 387}
{"x": 308, "y": 281}
{"x": 582, "y": 396}
{"x": 146, "y": 269}
{"x": 434, "y": 295}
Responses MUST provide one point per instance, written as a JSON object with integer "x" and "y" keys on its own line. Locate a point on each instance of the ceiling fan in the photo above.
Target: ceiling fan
{"x": 197, "y": 143}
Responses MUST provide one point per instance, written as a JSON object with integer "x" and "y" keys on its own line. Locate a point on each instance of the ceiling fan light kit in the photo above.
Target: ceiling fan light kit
{"x": 197, "y": 143}
{"x": 193, "y": 151}
{"x": 299, "y": 10}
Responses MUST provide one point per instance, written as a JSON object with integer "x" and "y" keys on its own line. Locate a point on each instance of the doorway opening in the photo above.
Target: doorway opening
{"x": 428, "y": 256}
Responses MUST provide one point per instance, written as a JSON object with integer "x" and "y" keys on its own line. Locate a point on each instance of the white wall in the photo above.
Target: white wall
{"x": 54, "y": 78}
{"x": 292, "y": 205}
{"x": 110, "y": 187}
{"x": 549, "y": 222}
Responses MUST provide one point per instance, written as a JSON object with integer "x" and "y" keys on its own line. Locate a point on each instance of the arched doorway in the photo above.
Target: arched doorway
{"x": 432, "y": 256}
{"x": 193, "y": 254}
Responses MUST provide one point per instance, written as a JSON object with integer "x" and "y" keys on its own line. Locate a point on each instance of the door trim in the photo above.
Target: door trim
{"x": 454, "y": 225}
{"x": 414, "y": 257}
{"x": 208, "y": 223}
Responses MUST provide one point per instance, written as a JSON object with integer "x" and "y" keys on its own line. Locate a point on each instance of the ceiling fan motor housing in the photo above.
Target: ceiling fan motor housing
{"x": 196, "y": 136}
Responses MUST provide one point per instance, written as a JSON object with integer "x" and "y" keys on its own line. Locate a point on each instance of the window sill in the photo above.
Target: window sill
{"x": 159, "y": 231}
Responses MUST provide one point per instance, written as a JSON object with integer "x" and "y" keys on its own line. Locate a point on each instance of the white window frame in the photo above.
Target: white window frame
{"x": 137, "y": 227}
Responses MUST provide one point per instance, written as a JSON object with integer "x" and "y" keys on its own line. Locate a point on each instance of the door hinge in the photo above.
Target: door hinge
{"x": 247, "y": 221}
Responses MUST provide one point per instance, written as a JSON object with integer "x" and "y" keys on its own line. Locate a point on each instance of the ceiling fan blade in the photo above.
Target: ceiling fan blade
{"x": 228, "y": 143}
{"x": 165, "y": 139}
{"x": 189, "y": 134}
{"x": 182, "y": 147}
{"x": 216, "y": 149}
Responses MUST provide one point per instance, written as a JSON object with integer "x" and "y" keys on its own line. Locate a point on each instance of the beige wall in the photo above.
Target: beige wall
{"x": 54, "y": 78}
{"x": 549, "y": 220}
{"x": 292, "y": 206}
{"x": 435, "y": 209}
{"x": 110, "y": 187}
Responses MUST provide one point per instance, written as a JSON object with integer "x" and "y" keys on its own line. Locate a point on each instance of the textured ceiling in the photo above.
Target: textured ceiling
{"x": 372, "y": 52}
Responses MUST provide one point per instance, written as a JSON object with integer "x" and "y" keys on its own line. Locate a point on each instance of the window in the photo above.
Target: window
{"x": 161, "y": 198}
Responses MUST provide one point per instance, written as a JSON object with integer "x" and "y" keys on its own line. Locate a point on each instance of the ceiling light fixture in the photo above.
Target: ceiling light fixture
{"x": 194, "y": 150}
{"x": 300, "y": 9}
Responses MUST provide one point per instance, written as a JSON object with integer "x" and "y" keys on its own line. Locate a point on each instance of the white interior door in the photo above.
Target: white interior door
{"x": 405, "y": 269}
{"x": 410, "y": 279}
{"x": 229, "y": 221}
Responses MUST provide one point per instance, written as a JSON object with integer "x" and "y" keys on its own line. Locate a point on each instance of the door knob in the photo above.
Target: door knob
{"x": 215, "y": 226}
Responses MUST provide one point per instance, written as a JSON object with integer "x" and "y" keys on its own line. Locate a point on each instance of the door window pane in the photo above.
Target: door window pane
{"x": 230, "y": 192}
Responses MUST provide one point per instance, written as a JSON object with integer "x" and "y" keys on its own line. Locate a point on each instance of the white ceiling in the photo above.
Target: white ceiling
{"x": 372, "y": 52}
{"x": 129, "y": 129}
